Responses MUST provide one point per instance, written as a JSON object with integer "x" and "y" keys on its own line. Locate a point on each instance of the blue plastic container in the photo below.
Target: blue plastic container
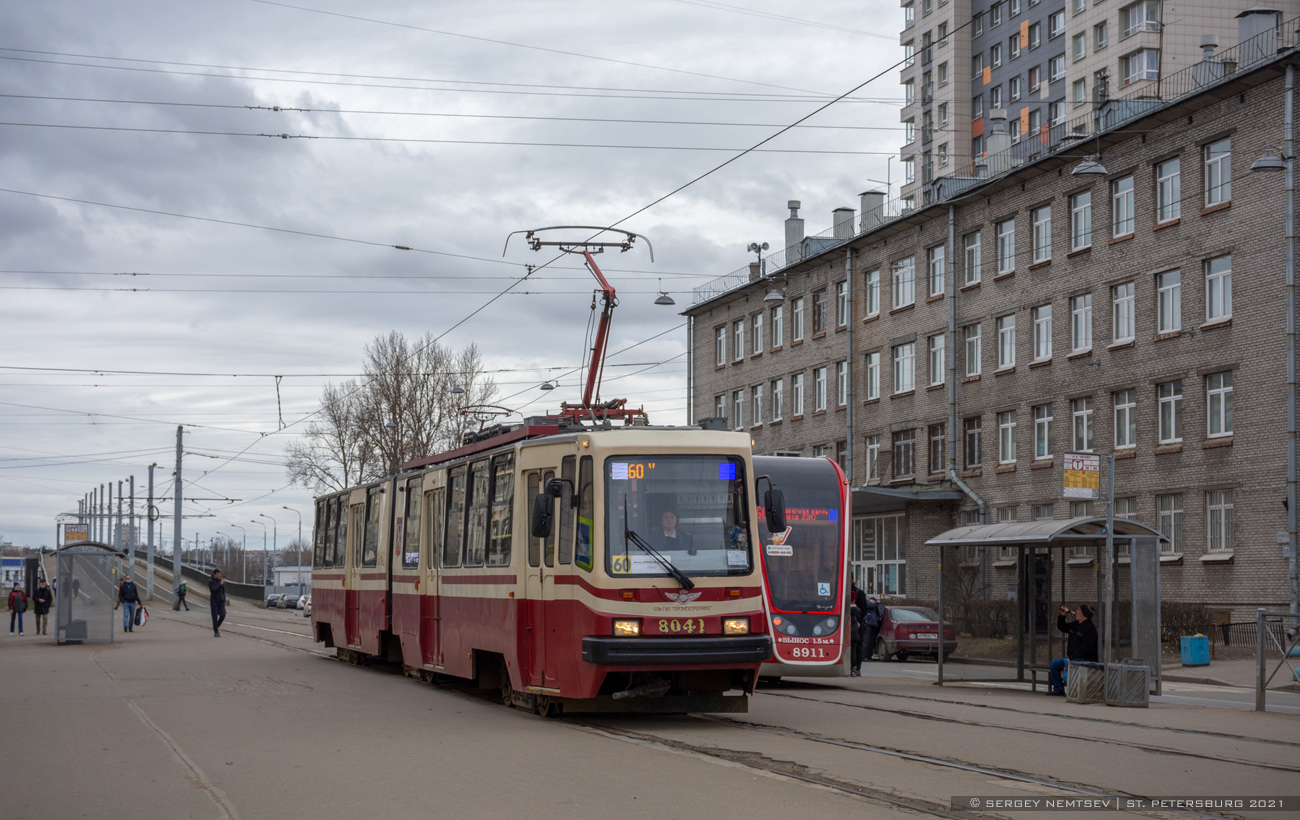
{"x": 1196, "y": 650}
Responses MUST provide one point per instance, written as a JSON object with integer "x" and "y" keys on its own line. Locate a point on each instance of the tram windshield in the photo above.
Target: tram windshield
{"x": 688, "y": 509}
{"x": 803, "y": 564}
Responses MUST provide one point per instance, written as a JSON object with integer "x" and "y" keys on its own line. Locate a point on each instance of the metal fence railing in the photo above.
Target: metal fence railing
{"x": 1278, "y": 631}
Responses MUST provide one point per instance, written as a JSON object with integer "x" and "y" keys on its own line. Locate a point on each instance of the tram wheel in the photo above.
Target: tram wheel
{"x": 507, "y": 691}
{"x": 547, "y": 707}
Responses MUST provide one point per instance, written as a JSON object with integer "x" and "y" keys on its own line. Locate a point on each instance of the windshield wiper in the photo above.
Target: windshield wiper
{"x": 630, "y": 535}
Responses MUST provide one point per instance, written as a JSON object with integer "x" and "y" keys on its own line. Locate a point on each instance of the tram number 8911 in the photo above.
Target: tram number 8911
{"x": 676, "y": 626}
{"x": 807, "y": 652}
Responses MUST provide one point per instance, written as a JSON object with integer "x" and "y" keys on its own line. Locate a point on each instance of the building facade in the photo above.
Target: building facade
{"x": 949, "y": 356}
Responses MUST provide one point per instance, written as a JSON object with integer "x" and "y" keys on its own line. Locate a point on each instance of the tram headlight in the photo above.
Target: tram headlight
{"x": 627, "y": 629}
{"x": 735, "y": 626}
{"x": 784, "y": 626}
{"x": 827, "y": 626}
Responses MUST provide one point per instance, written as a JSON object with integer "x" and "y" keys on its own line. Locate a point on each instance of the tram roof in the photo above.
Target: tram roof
{"x": 1071, "y": 531}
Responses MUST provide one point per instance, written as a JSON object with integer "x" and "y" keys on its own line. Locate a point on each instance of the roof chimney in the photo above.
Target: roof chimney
{"x": 997, "y": 141}
{"x": 873, "y": 209}
{"x": 1209, "y": 43}
{"x": 842, "y": 219}
{"x": 1257, "y": 34}
{"x": 793, "y": 225}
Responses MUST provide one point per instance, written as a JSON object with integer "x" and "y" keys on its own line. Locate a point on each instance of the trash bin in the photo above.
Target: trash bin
{"x": 75, "y": 632}
{"x": 1128, "y": 683}
{"x": 1086, "y": 682}
{"x": 1196, "y": 650}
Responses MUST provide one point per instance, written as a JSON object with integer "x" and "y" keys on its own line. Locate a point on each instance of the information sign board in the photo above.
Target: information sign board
{"x": 1082, "y": 475}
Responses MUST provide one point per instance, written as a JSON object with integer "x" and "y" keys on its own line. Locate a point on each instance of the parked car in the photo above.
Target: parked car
{"x": 304, "y": 602}
{"x": 913, "y": 630}
{"x": 273, "y": 599}
{"x": 306, "y": 611}
{"x": 289, "y": 601}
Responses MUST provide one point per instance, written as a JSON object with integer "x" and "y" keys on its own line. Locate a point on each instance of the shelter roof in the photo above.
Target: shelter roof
{"x": 1071, "y": 531}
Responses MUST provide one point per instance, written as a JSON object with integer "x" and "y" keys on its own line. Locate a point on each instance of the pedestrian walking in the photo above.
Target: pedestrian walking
{"x": 129, "y": 597}
{"x": 181, "y": 592}
{"x": 1080, "y": 645}
{"x": 43, "y": 598}
{"x": 872, "y": 616}
{"x": 217, "y": 601}
{"x": 17, "y": 606}
{"x": 855, "y": 636}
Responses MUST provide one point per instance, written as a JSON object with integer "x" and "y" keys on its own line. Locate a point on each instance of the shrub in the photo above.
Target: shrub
{"x": 1179, "y": 618}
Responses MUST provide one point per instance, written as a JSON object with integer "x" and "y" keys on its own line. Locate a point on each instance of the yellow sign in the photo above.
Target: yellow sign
{"x": 75, "y": 532}
{"x": 1082, "y": 475}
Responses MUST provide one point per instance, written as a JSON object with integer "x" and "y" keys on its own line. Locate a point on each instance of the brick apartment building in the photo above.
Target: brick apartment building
{"x": 1139, "y": 310}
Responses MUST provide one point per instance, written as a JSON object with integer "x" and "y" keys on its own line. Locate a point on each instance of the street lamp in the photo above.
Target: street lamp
{"x": 275, "y": 539}
{"x": 298, "y": 555}
{"x": 243, "y": 577}
{"x": 254, "y": 521}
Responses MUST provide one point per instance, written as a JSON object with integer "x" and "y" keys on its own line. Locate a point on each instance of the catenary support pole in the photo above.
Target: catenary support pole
{"x": 1109, "y": 574}
{"x": 130, "y": 526}
{"x": 148, "y": 514}
{"x": 1288, "y": 152}
{"x": 176, "y": 513}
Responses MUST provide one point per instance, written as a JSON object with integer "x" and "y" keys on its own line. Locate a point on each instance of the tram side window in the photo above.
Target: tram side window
{"x": 501, "y": 520}
{"x": 586, "y": 513}
{"x": 411, "y": 538}
{"x": 357, "y": 524}
{"x": 370, "y": 547}
{"x": 331, "y": 531}
{"x": 433, "y": 516}
{"x": 453, "y": 546}
{"x": 569, "y": 472}
{"x": 318, "y": 548}
{"x": 480, "y": 485}
{"x": 532, "y": 487}
{"x": 340, "y": 515}
{"x": 549, "y": 547}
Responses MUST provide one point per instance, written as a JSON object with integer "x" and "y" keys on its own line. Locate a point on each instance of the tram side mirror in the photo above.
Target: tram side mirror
{"x": 774, "y": 504}
{"x": 543, "y": 514}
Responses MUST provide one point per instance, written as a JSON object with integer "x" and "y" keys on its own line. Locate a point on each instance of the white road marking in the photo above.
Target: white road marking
{"x": 267, "y": 629}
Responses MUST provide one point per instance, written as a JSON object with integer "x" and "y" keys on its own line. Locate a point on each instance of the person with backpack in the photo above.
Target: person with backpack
{"x": 873, "y": 615}
{"x": 17, "y": 606}
{"x": 43, "y": 599}
{"x": 129, "y": 597}
{"x": 181, "y": 592}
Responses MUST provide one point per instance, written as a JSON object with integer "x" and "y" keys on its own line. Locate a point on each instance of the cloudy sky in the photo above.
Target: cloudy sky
{"x": 162, "y": 261}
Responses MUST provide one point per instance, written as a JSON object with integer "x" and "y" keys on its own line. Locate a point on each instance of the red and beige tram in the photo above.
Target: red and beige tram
{"x": 574, "y": 568}
{"x": 805, "y": 568}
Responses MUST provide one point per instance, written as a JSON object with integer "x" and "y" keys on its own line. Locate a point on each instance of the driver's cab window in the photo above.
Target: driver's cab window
{"x": 586, "y": 514}
{"x": 564, "y": 509}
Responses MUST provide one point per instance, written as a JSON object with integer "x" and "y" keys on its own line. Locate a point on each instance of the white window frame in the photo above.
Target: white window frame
{"x": 720, "y": 406}
{"x": 872, "y": 287}
{"x": 841, "y": 303}
{"x": 904, "y": 290}
{"x": 1079, "y": 92}
{"x": 756, "y": 400}
{"x": 1043, "y": 431}
{"x": 819, "y": 389}
{"x": 904, "y": 368}
{"x": 974, "y": 348}
{"x": 778, "y": 326}
{"x": 1006, "y": 326}
{"x": 873, "y": 458}
{"x": 796, "y": 316}
{"x": 796, "y": 386}
{"x": 1169, "y": 521}
{"x": 1123, "y": 320}
{"x": 1125, "y": 404}
{"x": 1081, "y": 323}
{"x": 904, "y": 441}
{"x": 1081, "y": 221}
{"x": 1006, "y": 233}
{"x": 1056, "y": 24}
{"x": 937, "y": 354}
{"x": 1122, "y": 220}
{"x": 1169, "y": 301}
{"x": 738, "y": 341}
{"x": 1219, "y": 521}
{"x": 1078, "y": 47}
{"x": 1217, "y": 156}
{"x": 1081, "y": 424}
{"x": 841, "y": 383}
{"x": 1170, "y": 417}
{"x": 972, "y": 442}
{"x": 738, "y": 407}
{"x": 1219, "y": 405}
{"x": 1056, "y": 68}
{"x": 1007, "y": 437}
{"x": 1218, "y": 289}
{"x": 1042, "y": 318}
{"x": 1168, "y": 191}
{"x": 1042, "y": 218}
{"x": 972, "y": 243}
{"x": 778, "y": 399}
{"x": 935, "y": 262}
{"x": 873, "y": 376}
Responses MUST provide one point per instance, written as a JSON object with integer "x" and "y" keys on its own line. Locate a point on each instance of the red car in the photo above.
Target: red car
{"x": 913, "y": 630}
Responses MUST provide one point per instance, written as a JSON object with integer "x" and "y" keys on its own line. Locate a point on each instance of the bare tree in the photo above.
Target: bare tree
{"x": 403, "y": 408}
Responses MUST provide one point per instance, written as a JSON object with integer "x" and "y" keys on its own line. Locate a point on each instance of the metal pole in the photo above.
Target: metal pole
{"x": 298, "y": 554}
{"x": 131, "y": 519}
{"x": 148, "y": 514}
{"x": 1110, "y": 554}
{"x": 1259, "y": 660}
{"x": 177, "y": 545}
{"x": 1288, "y": 152}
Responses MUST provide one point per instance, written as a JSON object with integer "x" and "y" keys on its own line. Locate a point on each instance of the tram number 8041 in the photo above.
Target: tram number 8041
{"x": 674, "y": 626}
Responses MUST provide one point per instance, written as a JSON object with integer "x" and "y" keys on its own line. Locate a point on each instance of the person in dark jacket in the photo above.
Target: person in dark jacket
{"x": 873, "y": 614}
{"x": 217, "y": 601}
{"x": 43, "y": 598}
{"x": 855, "y": 639}
{"x": 181, "y": 592}
{"x": 17, "y": 606}
{"x": 129, "y": 597}
{"x": 1080, "y": 644}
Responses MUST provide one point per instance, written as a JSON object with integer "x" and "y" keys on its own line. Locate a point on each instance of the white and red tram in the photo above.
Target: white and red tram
{"x": 805, "y": 568}
{"x": 578, "y": 568}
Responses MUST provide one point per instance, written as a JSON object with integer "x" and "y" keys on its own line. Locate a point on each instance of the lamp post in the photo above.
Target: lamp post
{"x": 298, "y": 555}
{"x": 263, "y": 550}
{"x": 275, "y": 539}
{"x": 243, "y": 577}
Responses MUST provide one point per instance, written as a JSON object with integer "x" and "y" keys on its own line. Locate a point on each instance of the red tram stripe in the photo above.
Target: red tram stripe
{"x": 480, "y": 579}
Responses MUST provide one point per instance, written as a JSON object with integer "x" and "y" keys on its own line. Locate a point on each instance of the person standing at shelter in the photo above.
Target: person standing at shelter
{"x": 217, "y": 600}
{"x": 181, "y": 591}
{"x": 129, "y": 597}
{"x": 17, "y": 606}
{"x": 872, "y": 616}
{"x": 43, "y": 598}
{"x": 1080, "y": 645}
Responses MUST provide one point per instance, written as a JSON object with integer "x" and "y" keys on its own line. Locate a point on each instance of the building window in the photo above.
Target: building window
{"x": 1015, "y": 7}
{"x": 1078, "y": 47}
{"x": 943, "y": 147}
{"x": 904, "y": 453}
{"x": 1013, "y": 46}
{"x": 935, "y": 257}
{"x": 873, "y": 376}
{"x": 909, "y": 54}
{"x": 972, "y": 333}
{"x": 1006, "y": 341}
{"x": 819, "y": 389}
{"x": 1081, "y": 509}
{"x": 1143, "y": 64}
{"x": 873, "y": 458}
{"x": 1042, "y": 233}
{"x": 1042, "y": 316}
{"x": 995, "y": 55}
{"x": 738, "y": 409}
{"x": 1219, "y": 504}
{"x": 937, "y": 446}
{"x": 1040, "y": 512}
{"x": 1170, "y": 396}
{"x": 1035, "y": 83}
{"x": 1099, "y": 36}
{"x": 841, "y": 383}
{"x": 778, "y": 399}
{"x": 1081, "y": 322}
{"x": 977, "y": 106}
{"x": 1006, "y": 246}
{"x": 1007, "y": 437}
{"x": 978, "y": 26}
{"x": 995, "y": 96}
{"x": 1043, "y": 431}
{"x": 909, "y": 15}
{"x": 1218, "y": 394}
{"x": 943, "y": 73}
{"x": 904, "y": 361}
{"x": 1081, "y": 221}
{"x": 1169, "y": 301}
{"x": 1079, "y": 92}
{"x": 942, "y": 31}
{"x": 1056, "y": 112}
{"x": 972, "y": 258}
{"x": 738, "y": 331}
{"x": 1218, "y": 172}
{"x": 1014, "y": 87}
{"x": 909, "y": 131}
{"x": 1169, "y": 520}
{"x": 1122, "y": 312}
{"x": 973, "y": 454}
{"x": 720, "y": 407}
{"x": 1121, "y": 206}
{"x": 1218, "y": 288}
{"x": 1056, "y": 25}
{"x": 937, "y": 359}
{"x": 1081, "y": 411}
{"x": 1126, "y": 425}
{"x": 756, "y": 401}
{"x": 756, "y": 331}
{"x": 841, "y": 303}
{"x": 1056, "y": 68}
{"x": 778, "y": 325}
{"x": 720, "y": 346}
{"x": 909, "y": 170}
{"x": 796, "y": 314}
{"x": 909, "y": 92}
{"x": 796, "y": 384}
{"x": 873, "y": 293}
{"x": 1139, "y": 17}
{"x": 1035, "y": 35}
{"x": 819, "y": 312}
{"x": 905, "y": 282}
{"x": 1168, "y": 191}
{"x": 995, "y": 15}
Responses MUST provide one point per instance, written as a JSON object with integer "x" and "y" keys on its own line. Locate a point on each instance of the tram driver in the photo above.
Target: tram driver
{"x": 669, "y": 537}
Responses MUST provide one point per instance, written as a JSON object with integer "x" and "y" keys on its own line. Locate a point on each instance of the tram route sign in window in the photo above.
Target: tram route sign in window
{"x": 1082, "y": 475}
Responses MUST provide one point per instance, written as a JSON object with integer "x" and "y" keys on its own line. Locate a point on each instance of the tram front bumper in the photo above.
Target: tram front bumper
{"x": 748, "y": 649}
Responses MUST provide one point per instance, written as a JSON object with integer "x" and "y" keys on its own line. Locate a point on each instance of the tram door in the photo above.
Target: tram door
{"x": 352, "y": 585}
{"x": 431, "y": 593}
{"x": 539, "y": 588}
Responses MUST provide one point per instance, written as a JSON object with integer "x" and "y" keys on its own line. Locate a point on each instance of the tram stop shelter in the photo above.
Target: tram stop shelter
{"x": 88, "y": 573}
{"x": 1002, "y": 584}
